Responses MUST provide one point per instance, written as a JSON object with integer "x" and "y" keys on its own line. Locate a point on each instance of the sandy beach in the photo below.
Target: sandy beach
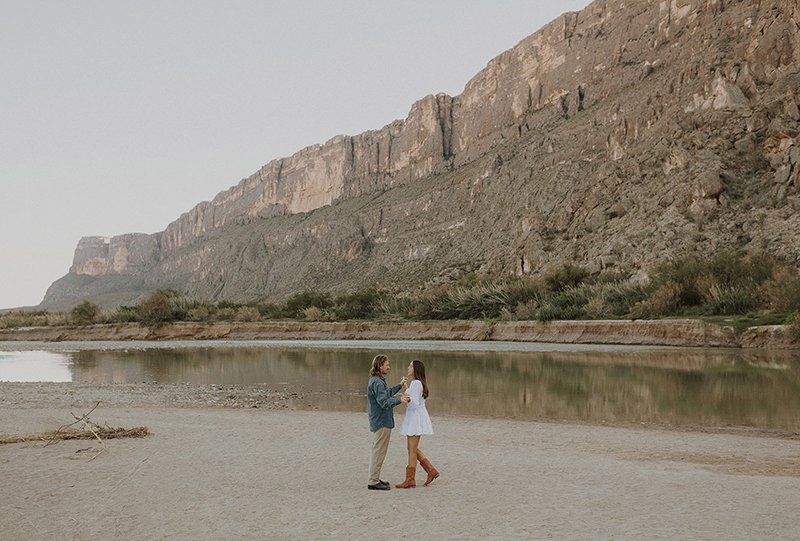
{"x": 216, "y": 469}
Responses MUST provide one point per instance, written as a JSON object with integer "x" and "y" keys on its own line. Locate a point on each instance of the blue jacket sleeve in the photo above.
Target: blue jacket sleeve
{"x": 383, "y": 396}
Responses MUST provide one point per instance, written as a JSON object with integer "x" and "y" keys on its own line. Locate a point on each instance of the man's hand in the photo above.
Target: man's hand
{"x": 405, "y": 399}
{"x": 404, "y": 381}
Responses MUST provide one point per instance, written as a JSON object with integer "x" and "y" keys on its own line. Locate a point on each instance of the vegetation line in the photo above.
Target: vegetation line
{"x": 738, "y": 290}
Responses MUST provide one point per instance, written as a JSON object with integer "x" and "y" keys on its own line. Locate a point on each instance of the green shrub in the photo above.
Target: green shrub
{"x": 794, "y": 328}
{"x": 523, "y": 290}
{"x": 527, "y": 310}
{"x": 724, "y": 299}
{"x": 727, "y": 269}
{"x": 564, "y": 277}
{"x": 396, "y": 306}
{"x": 551, "y": 312}
{"x": 201, "y": 311}
{"x": 9, "y": 321}
{"x": 569, "y": 303}
{"x": 477, "y": 302}
{"x": 782, "y": 291}
{"x": 361, "y": 305}
{"x": 227, "y": 314}
{"x": 55, "y": 318}
{"x": 269, "y": 311}
{"x": 163, "y": 306}
{"x": 620, "y": 298}
{"x": 684, "y": 274}
{"x": 248, "y": 313}
{"x": 85, "y": 313}
{"x": 126, "y": 314}
{"x": 313, "y": 313}
{"x": 298, "y": 302}
{"x": 228, "y": 305}
{"x": 22, "y": 318}
{"x": 664, "y": 301}
{"x": 791, "y": 295}
{"x": 569, "y": 297}
{"x": 596, "y": 308}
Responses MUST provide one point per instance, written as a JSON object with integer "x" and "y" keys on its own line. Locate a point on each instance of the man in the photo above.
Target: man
{"x": 380, "y": 401}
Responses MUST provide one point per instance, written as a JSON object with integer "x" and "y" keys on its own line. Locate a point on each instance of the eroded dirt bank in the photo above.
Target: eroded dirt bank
{"x": 683, "y": 332}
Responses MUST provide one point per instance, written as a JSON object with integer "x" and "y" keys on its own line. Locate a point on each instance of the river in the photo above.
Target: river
{"x": 698, "y": 387}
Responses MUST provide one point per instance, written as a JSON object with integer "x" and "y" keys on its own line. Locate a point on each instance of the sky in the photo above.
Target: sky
{"x": 118, "y": 116}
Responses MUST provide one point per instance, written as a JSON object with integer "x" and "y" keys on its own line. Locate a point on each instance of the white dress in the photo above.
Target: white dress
{"x": 417, "y": 422}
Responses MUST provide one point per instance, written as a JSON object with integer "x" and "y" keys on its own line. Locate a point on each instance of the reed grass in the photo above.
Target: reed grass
{"x": 726, "y": 284}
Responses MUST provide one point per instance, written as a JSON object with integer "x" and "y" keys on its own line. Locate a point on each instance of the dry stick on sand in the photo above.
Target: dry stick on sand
{"x": 87, "y": 425}
{"x": 77, "y": 420}
{"x": 89, "y": 430}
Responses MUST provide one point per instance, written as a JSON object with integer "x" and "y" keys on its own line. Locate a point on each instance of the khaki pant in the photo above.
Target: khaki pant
{"x": 380, "y": 444}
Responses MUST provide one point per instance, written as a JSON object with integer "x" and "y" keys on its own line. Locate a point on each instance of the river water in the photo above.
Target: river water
{"x": 595, "y": 384}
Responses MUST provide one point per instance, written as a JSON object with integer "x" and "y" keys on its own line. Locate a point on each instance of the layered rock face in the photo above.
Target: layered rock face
{"x": 616, "y": 137}
{"x": 91, "y": 256}
{"x": 320, "y": 175}
{"x": 123, "y": 254}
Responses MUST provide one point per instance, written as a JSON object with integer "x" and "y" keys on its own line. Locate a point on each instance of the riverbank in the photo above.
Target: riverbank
{"x": 673, "y": 332}
{"x": 212, "y": 471}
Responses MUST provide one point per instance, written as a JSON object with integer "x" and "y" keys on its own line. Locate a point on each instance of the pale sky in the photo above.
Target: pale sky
{"x": 118, "y": 116}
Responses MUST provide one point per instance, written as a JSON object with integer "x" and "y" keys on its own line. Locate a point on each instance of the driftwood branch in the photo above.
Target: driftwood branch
{"x": 88, "y": 430}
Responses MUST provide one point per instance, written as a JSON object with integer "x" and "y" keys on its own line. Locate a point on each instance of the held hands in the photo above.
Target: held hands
{"x": 405, "y": 399}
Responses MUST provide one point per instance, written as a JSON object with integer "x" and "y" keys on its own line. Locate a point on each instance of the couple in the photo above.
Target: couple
{"x": 380, "y": 401}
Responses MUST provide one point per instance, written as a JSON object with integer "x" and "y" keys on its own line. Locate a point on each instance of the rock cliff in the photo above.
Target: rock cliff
{"x": 123, "y": 254}
{"x": 618, "y": 136}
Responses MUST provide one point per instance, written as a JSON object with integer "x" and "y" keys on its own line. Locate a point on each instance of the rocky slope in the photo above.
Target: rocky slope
{"x": 616, "y": 137}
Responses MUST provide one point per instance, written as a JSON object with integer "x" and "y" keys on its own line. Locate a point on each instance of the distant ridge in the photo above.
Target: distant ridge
{"x": 613, "y": 138}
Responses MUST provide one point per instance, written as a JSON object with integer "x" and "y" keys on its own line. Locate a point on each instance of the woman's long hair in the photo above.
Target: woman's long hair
{"x": 376, "y": 365}
{"x": 419, "y": 373}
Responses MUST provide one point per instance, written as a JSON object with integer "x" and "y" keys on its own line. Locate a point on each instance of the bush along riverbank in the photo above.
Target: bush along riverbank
{"x": 729, "y": 290}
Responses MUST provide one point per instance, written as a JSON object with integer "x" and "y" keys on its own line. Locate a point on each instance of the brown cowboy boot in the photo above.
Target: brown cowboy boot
{"x": 411, "y": 472}
{"x": 432, "y": 472}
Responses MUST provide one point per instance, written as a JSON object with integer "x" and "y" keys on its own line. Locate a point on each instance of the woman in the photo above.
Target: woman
{"x": 416, "y": 423}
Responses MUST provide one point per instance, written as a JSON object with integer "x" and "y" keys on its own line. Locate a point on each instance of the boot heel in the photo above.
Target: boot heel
{"x": 436, "y": 476}
{"x": 409, "y": 482}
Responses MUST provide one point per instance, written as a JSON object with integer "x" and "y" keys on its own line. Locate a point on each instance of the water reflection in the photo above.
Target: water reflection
{"x": 713, "y": 388}
{"x": 34, "y": 366}
{"x": 680, "y": 387}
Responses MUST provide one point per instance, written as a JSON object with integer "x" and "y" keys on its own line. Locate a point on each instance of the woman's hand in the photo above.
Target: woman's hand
{"x": 405, "y": 399}
{"x": 404, "y": 381}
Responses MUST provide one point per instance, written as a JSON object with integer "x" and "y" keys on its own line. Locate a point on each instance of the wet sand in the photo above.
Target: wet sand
{"x": 215, "y": 468}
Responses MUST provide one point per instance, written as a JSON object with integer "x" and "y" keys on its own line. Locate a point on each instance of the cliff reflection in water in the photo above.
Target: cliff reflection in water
{"x": 680, "y": 387}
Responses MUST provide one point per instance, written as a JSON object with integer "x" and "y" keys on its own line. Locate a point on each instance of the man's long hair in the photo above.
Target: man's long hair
{"x": 376, "y": 365}
{"x": 419, "y": 373}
